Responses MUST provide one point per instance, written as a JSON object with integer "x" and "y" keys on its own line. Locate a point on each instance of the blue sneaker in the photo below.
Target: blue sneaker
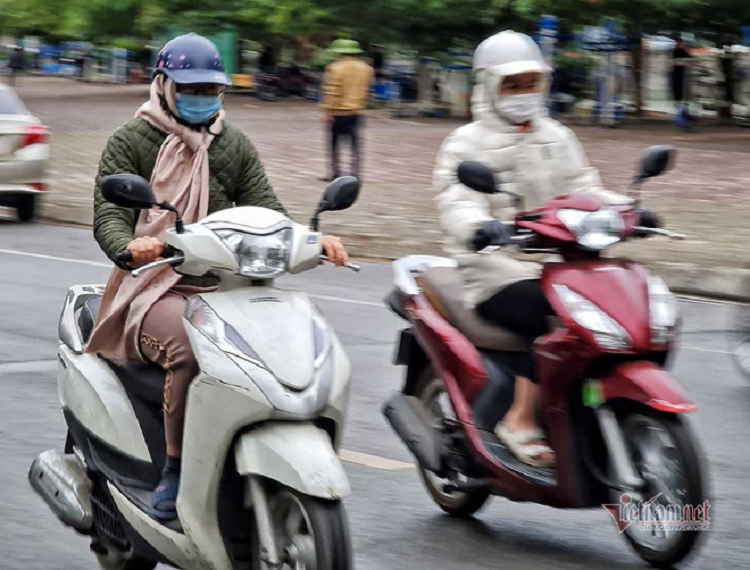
{"x": 164, "y": 499}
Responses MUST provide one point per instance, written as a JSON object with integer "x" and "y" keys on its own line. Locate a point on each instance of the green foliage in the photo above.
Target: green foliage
{"x": 426, "y": 25}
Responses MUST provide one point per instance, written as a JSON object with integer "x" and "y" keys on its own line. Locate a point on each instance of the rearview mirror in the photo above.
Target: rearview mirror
{"x": 477, "y": 176}
{"x": 656, "y": 160}
{"x": 128, "y": 191}
{"x": 340, "y": 195}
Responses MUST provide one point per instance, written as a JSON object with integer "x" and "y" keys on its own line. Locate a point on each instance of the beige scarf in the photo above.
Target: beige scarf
{"x": 180, "y": 177}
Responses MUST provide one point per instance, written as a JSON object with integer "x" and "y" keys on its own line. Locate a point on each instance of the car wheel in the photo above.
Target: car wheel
{"x": 26, "y": 208}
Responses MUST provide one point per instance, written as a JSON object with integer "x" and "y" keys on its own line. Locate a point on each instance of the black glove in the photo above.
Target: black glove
{"x": 649, "y": 219}
{"x": 491, "y": 233}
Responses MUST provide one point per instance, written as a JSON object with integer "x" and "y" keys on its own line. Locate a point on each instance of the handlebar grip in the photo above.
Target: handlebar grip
{"x": 127, "y": 256}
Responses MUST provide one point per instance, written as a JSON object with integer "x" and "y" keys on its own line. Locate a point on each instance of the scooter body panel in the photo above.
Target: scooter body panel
{"x": 233, "y": 394}
{"x": 617, "y": 287}
{"x": 174, "y": 546}
{"x": 647, "y": 383}
{"x": 95, "y": 396}
{"x": 298, "y": 455}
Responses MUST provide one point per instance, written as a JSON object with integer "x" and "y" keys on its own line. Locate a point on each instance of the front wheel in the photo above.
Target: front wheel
{"x": 310, "y": 533}
{"x": 664, "y": 452}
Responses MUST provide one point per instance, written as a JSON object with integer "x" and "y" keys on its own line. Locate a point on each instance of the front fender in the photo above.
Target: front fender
{"x": 298, "y": 455}
{"x": 648, "y": 383}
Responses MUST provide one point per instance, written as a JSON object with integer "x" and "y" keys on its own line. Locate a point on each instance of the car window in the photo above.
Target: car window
{"x": 10, "y": 104}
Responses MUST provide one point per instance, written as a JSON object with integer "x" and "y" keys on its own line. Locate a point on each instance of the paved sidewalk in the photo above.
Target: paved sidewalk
{"x": 38, "y": 87}
{"x": 706, "y": 197}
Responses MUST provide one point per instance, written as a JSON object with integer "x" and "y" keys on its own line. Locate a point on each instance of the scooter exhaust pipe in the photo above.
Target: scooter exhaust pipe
{"x": 412, "y": 422}
{"x": 64, "y": 486}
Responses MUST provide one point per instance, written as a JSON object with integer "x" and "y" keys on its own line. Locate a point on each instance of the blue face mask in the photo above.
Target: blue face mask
{"x": 197, "y": 109}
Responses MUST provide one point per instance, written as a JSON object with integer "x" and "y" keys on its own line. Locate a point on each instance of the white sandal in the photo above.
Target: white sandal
{"x": 520, "y": 444}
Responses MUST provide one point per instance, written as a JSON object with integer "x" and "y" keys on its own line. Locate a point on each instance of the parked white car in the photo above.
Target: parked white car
{"x": 24, "y": 152}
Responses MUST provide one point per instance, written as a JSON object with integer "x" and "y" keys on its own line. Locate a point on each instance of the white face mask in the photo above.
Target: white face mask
{"x": 520, "y": 109}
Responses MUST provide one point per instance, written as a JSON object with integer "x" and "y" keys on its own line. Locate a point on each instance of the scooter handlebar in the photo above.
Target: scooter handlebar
{"x": 353, "y": 266}
{"x": 127, "y": 256}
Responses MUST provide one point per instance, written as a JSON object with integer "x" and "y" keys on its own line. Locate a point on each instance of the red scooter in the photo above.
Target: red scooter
{"x": 614, "y": 416}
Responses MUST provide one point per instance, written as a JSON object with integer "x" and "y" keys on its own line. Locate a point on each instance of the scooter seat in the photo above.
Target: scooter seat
{"x": 87, "y": 317}
{"x": 443, "y": 288}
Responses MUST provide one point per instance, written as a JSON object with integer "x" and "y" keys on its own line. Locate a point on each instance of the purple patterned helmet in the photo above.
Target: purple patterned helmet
{"x": 191, "y": 59}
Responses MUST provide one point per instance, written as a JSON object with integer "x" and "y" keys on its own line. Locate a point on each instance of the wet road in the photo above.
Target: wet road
{"x": 394, "y": 524}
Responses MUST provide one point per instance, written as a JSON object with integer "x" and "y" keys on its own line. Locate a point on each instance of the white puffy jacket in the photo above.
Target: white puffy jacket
{"x": 539, "y": 165}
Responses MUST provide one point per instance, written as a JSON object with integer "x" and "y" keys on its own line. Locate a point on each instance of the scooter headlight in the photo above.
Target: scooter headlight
{"x": 258, "y": 256}
{"x": 664, "y": 312}
{"x": 222, "y": 334}
{"x": 608, "y": 333}
{"x": 594, "y": 230}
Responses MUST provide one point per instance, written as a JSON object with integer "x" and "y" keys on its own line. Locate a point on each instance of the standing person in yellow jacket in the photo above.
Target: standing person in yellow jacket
{"x": 345, "y": 92}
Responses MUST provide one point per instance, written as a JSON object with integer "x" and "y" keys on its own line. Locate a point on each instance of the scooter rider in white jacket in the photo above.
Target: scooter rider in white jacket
{"x": 533, "y": 157}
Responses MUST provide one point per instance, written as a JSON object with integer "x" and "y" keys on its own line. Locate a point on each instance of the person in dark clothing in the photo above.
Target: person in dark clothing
{"x": 267, "y": 63}
{"x": 682, "y": 57}
{"x": 15, "y": 64}
{"x": 378, "y": 61}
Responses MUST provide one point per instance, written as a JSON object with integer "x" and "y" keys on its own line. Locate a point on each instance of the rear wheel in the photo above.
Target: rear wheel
{"x": 26, "y": 208}
{"x": 311, "y": 533}
{"x": 663, "y": 451}
{"x": 461, "y": 504}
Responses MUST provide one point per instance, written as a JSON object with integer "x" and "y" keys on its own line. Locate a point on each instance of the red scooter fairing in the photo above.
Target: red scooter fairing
{"x": 647, "y": 383}
{"x": 617, "y": 287}
{"x": 453, "y": 353}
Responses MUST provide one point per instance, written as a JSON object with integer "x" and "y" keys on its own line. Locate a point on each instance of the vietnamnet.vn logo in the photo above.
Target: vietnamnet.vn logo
{"x": 655, "y": 515}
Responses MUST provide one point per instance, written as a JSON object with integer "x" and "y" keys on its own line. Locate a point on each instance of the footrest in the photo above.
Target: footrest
{"x": 537, "y": 475}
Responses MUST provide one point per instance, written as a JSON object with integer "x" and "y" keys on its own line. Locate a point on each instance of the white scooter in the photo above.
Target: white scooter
{"x": 261, "y": 483}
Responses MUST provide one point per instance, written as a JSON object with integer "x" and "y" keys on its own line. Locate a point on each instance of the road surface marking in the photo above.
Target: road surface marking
{"x": 374, "y": 461}
{"x": 54, "y": 258}
{"x": 709, "y": 350}
{"x": 349, "y": 301}
{"x": 342, "y": 299}
{"x": 109, "y": 265}
{"x": 28, "y": 366}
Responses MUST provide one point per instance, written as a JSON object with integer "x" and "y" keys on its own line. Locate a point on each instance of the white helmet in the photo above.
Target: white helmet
{"x": 509, "y": 53}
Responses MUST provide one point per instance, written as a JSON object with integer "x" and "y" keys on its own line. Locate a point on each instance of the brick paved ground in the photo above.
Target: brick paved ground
{"x": 706, "y": 197}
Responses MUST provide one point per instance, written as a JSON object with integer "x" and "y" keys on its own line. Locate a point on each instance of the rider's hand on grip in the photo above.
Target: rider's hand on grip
{"x": 145, "y": 250}
{"x": 491, "y": 233}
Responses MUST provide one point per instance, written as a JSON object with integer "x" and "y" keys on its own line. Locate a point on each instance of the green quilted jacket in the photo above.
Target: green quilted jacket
{"x": 236, "y": 178}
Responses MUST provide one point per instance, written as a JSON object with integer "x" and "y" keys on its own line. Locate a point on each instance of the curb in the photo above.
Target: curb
{"x": 718, "y": 283}
{"x": 683, "y": 278}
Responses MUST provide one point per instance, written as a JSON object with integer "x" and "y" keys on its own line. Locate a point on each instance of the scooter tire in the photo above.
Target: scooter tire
{"x": 116, "y": 561}
{"x": 686, "y": 448}
{"x": 458, "y": 504}
{"x": 26, "y": 208}
{"x": 326, "y": 520}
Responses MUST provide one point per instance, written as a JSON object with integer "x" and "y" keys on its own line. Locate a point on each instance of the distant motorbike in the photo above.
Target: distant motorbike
{"x": 614, "y": 416}
{"x": 287, "y": 82}
{"x": 261, "y": 483}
